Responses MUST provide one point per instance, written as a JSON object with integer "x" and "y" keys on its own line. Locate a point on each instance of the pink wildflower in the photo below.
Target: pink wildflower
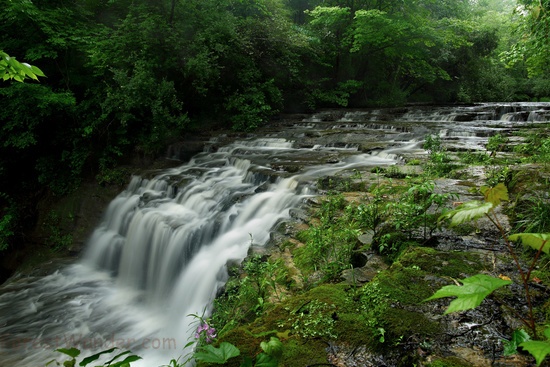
{"x": 206, "y": 331}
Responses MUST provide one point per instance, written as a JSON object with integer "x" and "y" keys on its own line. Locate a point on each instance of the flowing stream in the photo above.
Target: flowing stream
{"x": 162, "y": 249}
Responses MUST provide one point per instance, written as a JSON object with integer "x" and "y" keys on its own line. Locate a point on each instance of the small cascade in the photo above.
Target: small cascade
{"x": 337, "y": 146}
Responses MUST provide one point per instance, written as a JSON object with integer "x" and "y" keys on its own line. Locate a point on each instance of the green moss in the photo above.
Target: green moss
{"x": 302, "y": 259}
{"x": 401, "y": 323}
{"x": 455, "y": 264}
{"x": 449, "y": 362}
{"x": 404, "y": 284}
{"x": 354, "y": 328}
{"x": 296, "y": 352}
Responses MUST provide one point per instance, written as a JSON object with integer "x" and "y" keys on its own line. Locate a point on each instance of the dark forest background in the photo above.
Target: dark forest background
{"x": 125, "y": 78}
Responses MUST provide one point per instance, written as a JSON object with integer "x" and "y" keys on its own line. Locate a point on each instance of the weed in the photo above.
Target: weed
{"x": 496, "y": 143}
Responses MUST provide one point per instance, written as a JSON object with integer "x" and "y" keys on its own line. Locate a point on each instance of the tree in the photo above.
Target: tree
{"x": 10, "y": 68}
{"x": 533, "y": 45}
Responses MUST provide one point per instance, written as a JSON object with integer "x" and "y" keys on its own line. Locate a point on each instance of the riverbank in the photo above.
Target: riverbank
{"x": 341, "y": 289}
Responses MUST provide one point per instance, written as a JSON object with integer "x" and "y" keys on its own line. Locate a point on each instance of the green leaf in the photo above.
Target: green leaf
{"x": 73, "y": 352}
{"x": 537, "y": 349}
{"x": 211, "y": 354}
{"x": 471, "y": 294}
{"x": 495, "y": 194}
{"x": 533, "y": 240}
{"x": 518, "y": 337}
{"x": 94, "y": 357}
{"x": 126, "y": 362}
{"x": 468, "y": 211}
{"x": 128, "y": 359}
{"x": 247, "y": 362}
{"x": 37, "y": 71}
{"x": 273, "y": 348}
{"x": 264, "y": 360}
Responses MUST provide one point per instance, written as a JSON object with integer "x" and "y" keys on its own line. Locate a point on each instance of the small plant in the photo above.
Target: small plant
{"x": 475, "y": 158}
{"x": 438, "y": 160}
{"x": 314, "y": 320}
{"x": 330, "y": 243}
{"x": 496, "y": 143}
{"x": 432, "y": 143}
{"x": 58, "y": 240}
{"x": 205, "y": 351}
{"x": 476, "y": 288}
{"x": 533, "y": 214}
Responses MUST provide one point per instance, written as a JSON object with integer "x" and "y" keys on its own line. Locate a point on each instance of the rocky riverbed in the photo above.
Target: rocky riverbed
{"x": 362, "y": 303}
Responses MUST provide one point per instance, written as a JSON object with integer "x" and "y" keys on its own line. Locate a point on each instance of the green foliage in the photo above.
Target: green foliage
{"x": 339, "y": 95}
{"x": 245, "y": 297}
{"x": 470, "y": 210}
{"x": 478, "y": 287}
{"x": 7, "y": 224}
{"x": 474, "y": 158}
{"x": 418, "y": 207}
{"x": 314, "y": 320}
{"x": 10, "y": 68}
{"x": 537, "y": 241}
{"x": 147, "y": 110}
{"x": 496, "y": 143}
{"x": 532, "y": 214}
{"x": 115, "y": 361}
{"x": 252, "y": 107}
{"x": 475, "y": 209}
{"x": 470, "y": 295}
{"x": 58, "y": 238}
{"x": 511, "y": 346}
{"x": 21, "y": 129}
{"x": 217, "y": 355}
{"x": 8, "y": 220}
{"x": 532, "y": 47}
{"x": 438, "y": 163}
{"x": 330, "y": 243}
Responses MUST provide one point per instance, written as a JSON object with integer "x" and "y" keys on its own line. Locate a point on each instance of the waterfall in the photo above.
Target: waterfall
{"x": 161, "y": 250}
{"x": 160, "y": 254}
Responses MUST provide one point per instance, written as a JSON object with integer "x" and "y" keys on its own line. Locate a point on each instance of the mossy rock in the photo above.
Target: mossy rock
{"x": 401, "y": 323}
{"x": 454, "y": 264}
{"x": 449, "y": 362}
{"x": 297, "y": 352}
{"x": 406, "y": 285}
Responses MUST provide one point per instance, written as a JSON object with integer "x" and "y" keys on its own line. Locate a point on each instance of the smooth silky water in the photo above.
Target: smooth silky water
{"x": 162, "y": 249}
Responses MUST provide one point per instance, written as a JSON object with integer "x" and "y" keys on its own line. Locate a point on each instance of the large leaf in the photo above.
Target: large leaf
{"x": 533, "y": 240}
{"x": 468, "y": 211}
{"x": 273, "y": 348}
{"x": 263, "y": 360}
{"x": 211, "y": 354}
{"x": 471, "y": 294}
{"x": 495, "y": 194}
{"x": 518, "y": 336}
{"x": 537, "y": 349}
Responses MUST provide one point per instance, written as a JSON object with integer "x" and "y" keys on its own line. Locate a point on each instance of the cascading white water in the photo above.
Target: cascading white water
{"x": 159, "y": 255}
{"x": 161, "y": 251}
